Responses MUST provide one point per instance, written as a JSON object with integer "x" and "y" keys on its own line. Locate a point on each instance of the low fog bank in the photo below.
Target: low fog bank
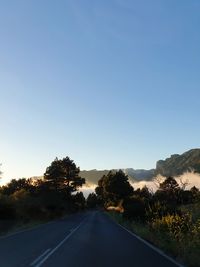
{"x": 189, "y": 179}
{"x": 87, "y": 189}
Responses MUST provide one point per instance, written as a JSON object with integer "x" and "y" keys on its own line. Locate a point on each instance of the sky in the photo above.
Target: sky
{"x": 111, "y": 84}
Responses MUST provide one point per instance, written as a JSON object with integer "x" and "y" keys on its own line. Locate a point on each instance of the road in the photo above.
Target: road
{"x": 81, "y": 240}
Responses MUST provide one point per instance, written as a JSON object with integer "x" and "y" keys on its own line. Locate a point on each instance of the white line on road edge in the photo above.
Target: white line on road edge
{"x": 39, "y": 258}
{"x": 59, "y": 245}
{"x": 151, "y": 246}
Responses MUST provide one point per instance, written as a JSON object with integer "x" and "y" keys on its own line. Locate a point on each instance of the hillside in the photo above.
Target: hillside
{"x": 173, "y": 166}
{"x": 92, "y": 176}
{"x": 139, "y": 174}
{"x": 178, "y": 164}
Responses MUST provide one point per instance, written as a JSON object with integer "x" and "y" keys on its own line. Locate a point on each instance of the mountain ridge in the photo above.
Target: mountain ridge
{"x": 175, "y": 165}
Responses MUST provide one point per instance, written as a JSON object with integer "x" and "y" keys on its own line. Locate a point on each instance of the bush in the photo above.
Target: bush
{"x": 134, "y": 208}
{"x": 7, "y": 210}
{"x": 174, "y": 225}
{"x": 159, "y": 209}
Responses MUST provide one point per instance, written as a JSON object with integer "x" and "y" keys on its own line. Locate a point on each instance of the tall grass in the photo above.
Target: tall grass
{"x": 177, "y": 235}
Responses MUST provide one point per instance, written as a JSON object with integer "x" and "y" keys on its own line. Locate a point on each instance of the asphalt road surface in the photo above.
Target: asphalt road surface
{"x": 81, "y": 240}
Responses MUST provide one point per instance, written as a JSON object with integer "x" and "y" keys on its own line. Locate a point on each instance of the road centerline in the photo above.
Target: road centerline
{"x": 59, "y": 245}
{"x": 40, "y": 257}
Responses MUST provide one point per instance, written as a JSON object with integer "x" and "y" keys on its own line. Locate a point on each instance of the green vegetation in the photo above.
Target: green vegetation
{"x": 26, "y": 202}
{"x": 113, "y": 188}
{"x": 178, "y": 236}
{"x": 168, "y": 218}
{"x": 172, "y": 166}
{"x": 93, "y": 176}
{"x": 92, "y": 201}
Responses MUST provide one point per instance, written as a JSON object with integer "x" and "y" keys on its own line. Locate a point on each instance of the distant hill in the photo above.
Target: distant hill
{"x": 178, "y": 164}
{"x": 139, "y": 174}
{"x": 173, "y": 166}
{"x": 93, "y": 176}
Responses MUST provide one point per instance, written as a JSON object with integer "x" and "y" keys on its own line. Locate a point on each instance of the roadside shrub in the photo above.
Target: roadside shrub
{"x": 174, "y": 225}
{"x": 27, "y": 207}
{"x": 134, "y": 208}
{"x": 7, "y": 210}
{"x": 195, "y": 231}
{"x": 92, "y": 201}
{"x": 159, "y": 209}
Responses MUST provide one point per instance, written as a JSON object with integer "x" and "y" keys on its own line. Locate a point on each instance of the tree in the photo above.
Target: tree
{"x": 7, "y": 209}
{"x": 79, "y": 201}
{"x": 114, "y": 187}
{"x": 143, "y": 193}
{"x": 169, "y": 185}
{"x": 63, "y": 175}
{"x": 16, "y": 185}
{"x": 27, "y": 207}
{"x": 99, "y": 190}
{"x": 134, "y": 208}
{"x": 169, "y": 192}
{"x": 195, "y": 193}
{"x": 92, "y": 201}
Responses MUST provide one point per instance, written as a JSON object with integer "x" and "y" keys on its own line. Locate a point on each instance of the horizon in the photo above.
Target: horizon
{"x": 6, "y": 180}
{"x": 108, "y": 84}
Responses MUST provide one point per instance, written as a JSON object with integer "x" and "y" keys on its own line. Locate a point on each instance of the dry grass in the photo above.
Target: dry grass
{"x": 178, "y": 236}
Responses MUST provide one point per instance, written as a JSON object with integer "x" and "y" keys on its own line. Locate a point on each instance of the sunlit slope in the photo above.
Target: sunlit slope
{"x": 179, "y": 164}
{"x": 92, "y": 176}
{"x": 173, "y": 166}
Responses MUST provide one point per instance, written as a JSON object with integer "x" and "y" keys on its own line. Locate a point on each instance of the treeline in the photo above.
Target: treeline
{"x": 114, "y": 190}
{"x": 26, "y": 200}
{"x": 169, "y": 217}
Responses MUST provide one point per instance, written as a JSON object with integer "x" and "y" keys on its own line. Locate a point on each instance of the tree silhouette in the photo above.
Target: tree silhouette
{"x": 114, "y": 187}
{"x": 63, "y": 175}
{"x": 79, "y": 201}
{"x": 195, "y": 193}
{"x": 169, "y": 192}
{"x": 169, "y": 185}
{"x": 16, "y": 185}
{"x": 134, "y": 208}
{"x": 143, "y": 193}
{"x": 99, "y": 190}
{"x": 92, "y": 201}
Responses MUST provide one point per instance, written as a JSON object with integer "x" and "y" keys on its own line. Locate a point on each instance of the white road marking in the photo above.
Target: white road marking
{"x": 151, "y": 246}
{"x": 40, "y": 257}
{"x": 59, "y": 245}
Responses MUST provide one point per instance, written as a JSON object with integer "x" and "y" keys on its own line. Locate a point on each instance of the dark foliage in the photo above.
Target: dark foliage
{"x": 134, "y": 208}
{"x": 113, "y": 187}
{"x": 92, "y": 201}
{"x": 25, "y": 200}
{"x": 63, "y": 175}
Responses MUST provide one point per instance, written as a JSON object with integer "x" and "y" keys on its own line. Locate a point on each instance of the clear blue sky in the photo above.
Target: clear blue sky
{"x": 112, "y": 84}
